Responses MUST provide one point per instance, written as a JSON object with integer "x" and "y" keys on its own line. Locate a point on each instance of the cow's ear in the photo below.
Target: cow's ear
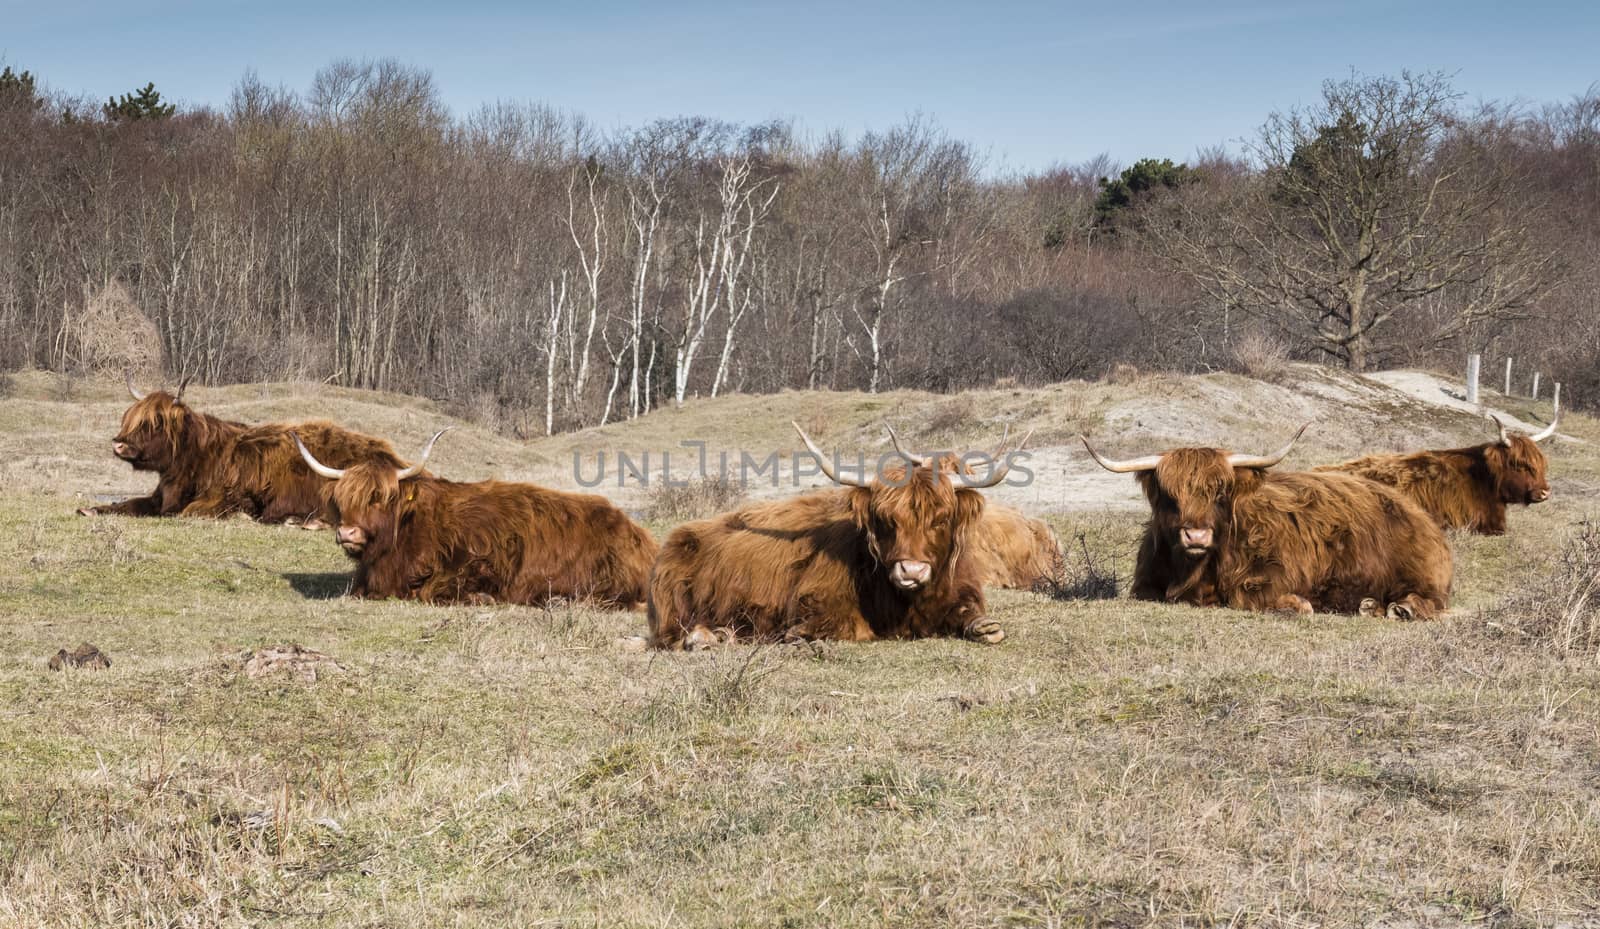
{"x": 1247, "y": 480}
{"x": 861, "y": 508}
{"x": 969, "y": 508}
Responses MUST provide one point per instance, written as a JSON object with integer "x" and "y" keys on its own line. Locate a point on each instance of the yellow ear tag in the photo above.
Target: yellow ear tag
{"x": 411, "y": 495}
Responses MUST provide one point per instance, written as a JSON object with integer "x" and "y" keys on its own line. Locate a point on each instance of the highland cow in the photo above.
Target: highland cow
{"x": 418, "y": 537}
{"x": 1226, "y": 531}
{"x": 1465, "y": 488}
{"x": 891, "y": 558}
{"x": 210, "y": 467}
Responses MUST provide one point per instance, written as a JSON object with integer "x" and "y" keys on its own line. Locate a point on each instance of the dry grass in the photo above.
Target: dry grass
{"x": 697, "y": 498}
{"x": 1110, "y": 764}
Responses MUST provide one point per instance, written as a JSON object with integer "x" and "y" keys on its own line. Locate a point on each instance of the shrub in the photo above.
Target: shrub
{"x": 1261, "y": 356}
{"x": 1558, "y": 609}
{"x": 697, "y": 499}
{"x": 1080, "y": 576}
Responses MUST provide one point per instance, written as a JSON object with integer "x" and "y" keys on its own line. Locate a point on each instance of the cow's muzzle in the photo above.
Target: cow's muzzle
{"x": 352, "y": 539}
{"x": 1195, "y": 541}
{"x": 910, "y": 575}
{"x": 1539, "y": 495}
{"x": 124, "y": 451}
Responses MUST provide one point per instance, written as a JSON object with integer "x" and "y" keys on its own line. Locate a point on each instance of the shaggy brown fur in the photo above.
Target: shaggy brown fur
{"x": 818, "y": 567}
{"x": 1463, "y": 488}
{"x": 1299, "y": 541}
{"x": 1013, "y": 550}
{"x": 439, "y": 541}
{"x": 212, "y": 467}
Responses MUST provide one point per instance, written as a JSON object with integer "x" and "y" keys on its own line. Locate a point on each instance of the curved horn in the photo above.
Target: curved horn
{"x": 916, "y": 460}
{"x": 332, "y": 474}
{"x": 1147, "y": 463}
{"x": 1004, "y": 468}
{"x": 127, "y": 376}
{"x": 182, "y": 386}
{"x": 422, "y": 459}
{"x": 1266, "y": 461}
{"x": 825, "y": 462}
{"x": 1549, "y": 430}
{"x": 1505, "y": 437}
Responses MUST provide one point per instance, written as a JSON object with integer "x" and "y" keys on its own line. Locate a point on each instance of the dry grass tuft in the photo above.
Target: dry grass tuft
{"x": 1081, "y": 575}
{"x": 1558, "y": 608}
{"x": 671, "y": 503}
{"x": 1261, "y": 356}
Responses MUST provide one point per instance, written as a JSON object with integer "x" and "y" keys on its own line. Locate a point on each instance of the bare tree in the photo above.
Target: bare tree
{"x": 1368, "y": 210}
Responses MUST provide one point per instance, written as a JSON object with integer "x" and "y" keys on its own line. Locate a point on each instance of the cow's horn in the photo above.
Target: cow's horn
{"x": 332, "y": 474}
{"x": 182, "y": 386}
{"x": 1266, "y": 461}
{"x": 1505, "y": 437}
{"x": 1147, "y": 463}
{"x": 422, "y": 459}
{"x": 826, "y": 463}
{"x": 916, "y": 460}
{"x": 1549, "y": 430}
{"x": 1003, "y": 468}
{"x": 127, "y": 376}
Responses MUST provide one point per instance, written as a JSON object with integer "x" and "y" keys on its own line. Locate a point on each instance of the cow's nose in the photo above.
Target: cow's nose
{"x": 349, "y": 535}
{"x": 119, "y": 448}
{"x": 1540, "y": 496}
{"x": 1196, "y": 538}
{"x": 910, "y": 574}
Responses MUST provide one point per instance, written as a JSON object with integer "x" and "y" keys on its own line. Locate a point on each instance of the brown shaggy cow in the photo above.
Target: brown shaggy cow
{"x": 890, "y": 558}
{"x": 419, "y": 537}
{"x": 214, "y": 467}
{"x": 1465, "y": 488}
{"x": 1013, "y": 550}
{"x": 1224, "y": 530}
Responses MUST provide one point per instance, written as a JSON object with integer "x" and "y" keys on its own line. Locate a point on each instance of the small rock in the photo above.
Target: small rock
{"x": 291, "y": 659}
{"x": 84, "y": 656}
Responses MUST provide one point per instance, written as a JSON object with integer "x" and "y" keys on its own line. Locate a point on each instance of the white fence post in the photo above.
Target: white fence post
{"x": 1473, "y": 361}
{"x": 1508, "y": 377}
{"x": 1536, "y": 385}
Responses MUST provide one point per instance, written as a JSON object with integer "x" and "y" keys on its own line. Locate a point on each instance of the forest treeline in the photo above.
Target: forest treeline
{"x": 542, "y": 274}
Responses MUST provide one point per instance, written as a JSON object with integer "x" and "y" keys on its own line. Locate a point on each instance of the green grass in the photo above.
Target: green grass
{"x": 1110, "y": 764}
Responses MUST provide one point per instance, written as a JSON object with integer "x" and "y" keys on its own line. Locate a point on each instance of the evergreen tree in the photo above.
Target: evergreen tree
{"x": 145, "y": 103}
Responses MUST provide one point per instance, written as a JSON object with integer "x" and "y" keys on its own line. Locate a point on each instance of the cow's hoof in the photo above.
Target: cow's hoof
{"x": 480, "y": 599}
{"x": 315, "y": 524}
{"x": 699, "y": 639}
{"x": 1370, "y": 609}
{"x": 1294, "y": 603}
{"x": 1401, "y": 612}
{"x": 985, "y": 630}
{"x": 88, "y": 511}
{"x": 633, "y": 643}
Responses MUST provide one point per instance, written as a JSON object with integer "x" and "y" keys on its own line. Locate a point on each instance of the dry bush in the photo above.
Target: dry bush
{"x": 1080, "y": 575}
{"x": 696, "y": 499}
{"x": 112, "y": 334}
{"x": 1261, "y": 356}
{"x": 1123, "y": 373}
{"x": 950, "y": 416}
{"x": 1558, "y": 609}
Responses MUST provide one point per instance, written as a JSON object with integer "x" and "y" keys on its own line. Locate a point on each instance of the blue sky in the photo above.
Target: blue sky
{"x": 1031, "y": 84}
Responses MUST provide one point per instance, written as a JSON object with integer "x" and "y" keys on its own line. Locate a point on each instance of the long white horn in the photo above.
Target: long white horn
{"x": 917, "y": 460}
{"x": 332, "y": 474}
{"x": 826, "y": 463}
{"x": 1266, "y": 461}
{"x": 1549, "y": 430}
{"x": 1004, "y": 468}
{"x": 127, "y": 375}
{"x": 1147, "y": 463}
{"x": 1505, "y": 437}
{"x": 422, "y": 459}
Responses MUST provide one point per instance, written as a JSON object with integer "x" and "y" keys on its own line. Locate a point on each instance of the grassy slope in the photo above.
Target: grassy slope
{"x": 1110, "y": 764}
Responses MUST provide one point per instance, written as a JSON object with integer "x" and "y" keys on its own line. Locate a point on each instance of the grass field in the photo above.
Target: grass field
{"x": 1110, "y": 764}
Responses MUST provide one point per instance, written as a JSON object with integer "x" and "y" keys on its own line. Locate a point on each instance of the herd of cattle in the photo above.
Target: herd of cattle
{"x": 904, "y": 555}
